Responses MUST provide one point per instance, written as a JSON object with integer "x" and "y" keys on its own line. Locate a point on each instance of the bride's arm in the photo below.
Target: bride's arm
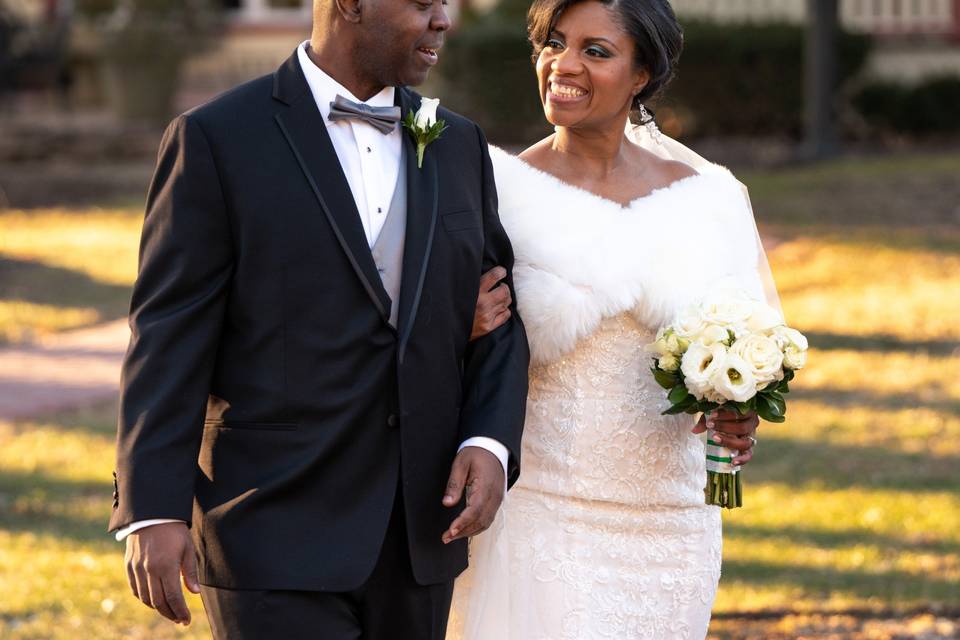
{"x": 493, "y": 303}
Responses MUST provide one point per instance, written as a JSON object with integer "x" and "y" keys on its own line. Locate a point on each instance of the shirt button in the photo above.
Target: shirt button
{"x": 369, "y": 150}
{"x": 379, "y": 210}
{"x": 392, "y": 420}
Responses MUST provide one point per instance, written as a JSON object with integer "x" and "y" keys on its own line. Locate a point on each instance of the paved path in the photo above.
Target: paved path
{"x": 63, "y": 371}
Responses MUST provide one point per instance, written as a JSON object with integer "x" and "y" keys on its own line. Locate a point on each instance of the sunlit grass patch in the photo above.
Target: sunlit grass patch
{"x": 854, "y": 503}
{"x": 100, "y": 243}
{"x": 861, "y": 286}
{"x": 61, "y": 574}
{"x": 814, "y": 549}
{"x": 62, "y": 269}
{"x": 22, "y": 321}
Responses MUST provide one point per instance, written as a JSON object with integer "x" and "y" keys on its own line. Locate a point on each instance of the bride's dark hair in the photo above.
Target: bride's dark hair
{"x": 657, "y": 36}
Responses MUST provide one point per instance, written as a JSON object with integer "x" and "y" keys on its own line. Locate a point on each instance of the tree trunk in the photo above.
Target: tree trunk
{"x": 820, "y": 73}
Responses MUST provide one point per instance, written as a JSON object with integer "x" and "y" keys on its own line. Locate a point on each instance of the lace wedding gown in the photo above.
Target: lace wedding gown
{"x": 606, "y": 534}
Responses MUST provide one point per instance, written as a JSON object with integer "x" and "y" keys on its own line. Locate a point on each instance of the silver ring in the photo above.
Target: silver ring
{"x": 752, "y": 440}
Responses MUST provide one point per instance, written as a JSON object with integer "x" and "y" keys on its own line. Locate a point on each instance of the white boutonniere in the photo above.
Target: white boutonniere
{"x": 424, "y": 126}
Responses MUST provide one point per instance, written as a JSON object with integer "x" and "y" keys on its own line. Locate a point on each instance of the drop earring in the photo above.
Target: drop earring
{"x": 646, "y": 119}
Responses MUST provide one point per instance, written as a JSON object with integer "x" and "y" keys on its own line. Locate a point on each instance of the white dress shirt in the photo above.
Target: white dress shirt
{"x": 371, "y": 163}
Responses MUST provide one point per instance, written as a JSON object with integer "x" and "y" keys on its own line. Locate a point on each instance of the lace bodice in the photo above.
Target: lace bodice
{"x": 594, "y": 428}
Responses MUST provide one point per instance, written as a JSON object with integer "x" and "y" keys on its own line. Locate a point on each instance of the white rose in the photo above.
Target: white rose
{"x": 427, "y": 114}
{"x": 669, "y": 362}
{"x": 698, "y": 364}
{"x": 794, "y": 345}
{"x": 794, "y": 358}
{"x": 668, "y": 343}
{"x": 689, "y": 323}
{"x": 786, "y": 336}
{"x": 727, "y": 307}
{"x": 763, "y": 318}
{"x": 733, "y": 379}
{"x": 713, "y": 334}
{"x": 763, "y": 355}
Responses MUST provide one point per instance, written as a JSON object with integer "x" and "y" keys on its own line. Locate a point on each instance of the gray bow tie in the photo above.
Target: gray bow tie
{"x": 383, "y": 118}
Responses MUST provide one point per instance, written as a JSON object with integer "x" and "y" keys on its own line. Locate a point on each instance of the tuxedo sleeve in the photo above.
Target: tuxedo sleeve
{"x": 176, "y": 313}
{"x": 495, "y": 366}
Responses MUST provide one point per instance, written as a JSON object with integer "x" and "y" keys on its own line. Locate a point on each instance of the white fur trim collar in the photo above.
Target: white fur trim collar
{"x": 581, "y": 258}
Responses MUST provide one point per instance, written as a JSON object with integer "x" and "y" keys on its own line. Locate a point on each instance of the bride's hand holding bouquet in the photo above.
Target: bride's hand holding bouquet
{"x": 731, "y": 358}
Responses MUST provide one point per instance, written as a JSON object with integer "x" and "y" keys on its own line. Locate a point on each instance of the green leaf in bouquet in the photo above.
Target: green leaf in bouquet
{"x": 767, "y": 409}
{"x": 783, "y": 387}
{"x": 665, "y": 379}
{"x": 678, "y": 394}
{"x": 707, "y": 406}
{"x": 788, "y": 375}
{"x": 682, "y": 406}
{"x": 777, "y": 402}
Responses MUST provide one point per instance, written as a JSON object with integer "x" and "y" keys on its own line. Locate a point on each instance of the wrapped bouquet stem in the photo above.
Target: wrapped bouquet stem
{"x": 729, "y": 353}
{"x": 723, "y": 476}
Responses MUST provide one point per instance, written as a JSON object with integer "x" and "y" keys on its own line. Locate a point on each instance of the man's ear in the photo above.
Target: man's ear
{"x": 349, "y": 9}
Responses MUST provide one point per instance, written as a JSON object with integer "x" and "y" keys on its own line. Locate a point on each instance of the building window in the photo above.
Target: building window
{"x": 260, "y": 12}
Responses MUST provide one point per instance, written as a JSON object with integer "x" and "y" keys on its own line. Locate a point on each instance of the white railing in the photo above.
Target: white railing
{"x": 741, "y": 10}
{"x": 899, "y": 16}
{"x": 261, "y": 12}
{"x": 865, "y": 16}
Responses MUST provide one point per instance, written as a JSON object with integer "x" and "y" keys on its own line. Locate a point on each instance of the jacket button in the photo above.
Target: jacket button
{"x": 392, "y": 420}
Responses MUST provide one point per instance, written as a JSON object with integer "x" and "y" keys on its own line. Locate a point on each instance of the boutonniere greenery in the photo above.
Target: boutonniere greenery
{"x": 424, "y": 126}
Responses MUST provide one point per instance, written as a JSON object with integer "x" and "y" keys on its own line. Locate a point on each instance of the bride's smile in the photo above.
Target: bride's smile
{"x": 586, "y": 68}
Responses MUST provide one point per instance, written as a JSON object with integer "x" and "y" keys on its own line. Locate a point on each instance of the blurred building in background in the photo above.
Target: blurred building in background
{"x": 913, "y": 39}
{"x": 143, "y": 60}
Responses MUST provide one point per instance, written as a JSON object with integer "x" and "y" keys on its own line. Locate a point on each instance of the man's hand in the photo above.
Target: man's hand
{"x": 735, "y": 432}
{"x": 156, "y": 557}
{"x": 479, "y": 473}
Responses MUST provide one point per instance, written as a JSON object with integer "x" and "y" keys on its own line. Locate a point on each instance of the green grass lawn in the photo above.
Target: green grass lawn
{"x": 852, "y": 506}
{"x": 64, "y": 269}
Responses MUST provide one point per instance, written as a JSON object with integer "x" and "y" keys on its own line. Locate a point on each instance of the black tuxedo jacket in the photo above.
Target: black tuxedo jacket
{"x": 265, "y": 399}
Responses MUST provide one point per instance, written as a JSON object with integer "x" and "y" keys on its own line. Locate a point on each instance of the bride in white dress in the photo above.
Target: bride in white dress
{"x": 615, "y": 229}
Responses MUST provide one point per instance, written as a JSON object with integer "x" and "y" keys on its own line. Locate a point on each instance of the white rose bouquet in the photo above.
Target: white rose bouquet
{"x": 731, "y": 353}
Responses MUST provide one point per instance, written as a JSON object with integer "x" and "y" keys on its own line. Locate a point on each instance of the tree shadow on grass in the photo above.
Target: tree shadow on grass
{"x": 834, "y": 466}
{"x": 825, "y": 539}
{"x": 37, "y": 283}
{"x": 99, "y": 418}
{"x": 891, "y": 585}
{"x": 47, "y": 506}
{"x": 848, "y": 399}
{"x": 880, "y": 343}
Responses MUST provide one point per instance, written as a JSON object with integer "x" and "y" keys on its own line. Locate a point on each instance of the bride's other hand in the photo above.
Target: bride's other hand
{"x": 493, "y": 304}
{"x": 735, "y": 431}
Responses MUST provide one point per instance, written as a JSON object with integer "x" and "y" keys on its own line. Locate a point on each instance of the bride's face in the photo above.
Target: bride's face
{"x": 586, "y": 69}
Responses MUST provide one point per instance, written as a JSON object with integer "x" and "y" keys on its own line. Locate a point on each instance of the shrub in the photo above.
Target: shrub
{"x": 932, "y": 106}
{"x": 732, "y": 79}
{"x": 748, "y": 79}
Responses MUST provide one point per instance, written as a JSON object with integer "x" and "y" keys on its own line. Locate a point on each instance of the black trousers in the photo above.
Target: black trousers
{"x": 389, "y": 606}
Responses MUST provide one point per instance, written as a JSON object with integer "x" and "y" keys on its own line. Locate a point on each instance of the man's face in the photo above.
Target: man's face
{"x": 400, "y": 39}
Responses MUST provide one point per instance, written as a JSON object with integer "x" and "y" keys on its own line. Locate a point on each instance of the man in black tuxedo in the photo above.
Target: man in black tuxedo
{"x": 300, "y": 393}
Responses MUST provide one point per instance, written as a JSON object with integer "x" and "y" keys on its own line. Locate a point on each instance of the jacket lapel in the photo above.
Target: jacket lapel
{"x": 422, "y": 191}
{"x": 301, "y": 124}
